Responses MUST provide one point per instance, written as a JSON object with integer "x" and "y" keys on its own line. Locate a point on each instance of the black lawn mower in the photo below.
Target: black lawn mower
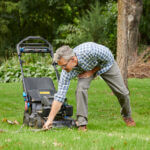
{"x": 39, "y": 93}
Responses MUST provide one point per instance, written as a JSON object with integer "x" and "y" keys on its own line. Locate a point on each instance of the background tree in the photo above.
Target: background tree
{"x": 144, "y": 24}
{"x": 134, "y": 16}
{"x": 98, "y": 24}
{"x": 19, "y": 19}
{"x": 129, "y": 12}
{"x": 9, "y": 26}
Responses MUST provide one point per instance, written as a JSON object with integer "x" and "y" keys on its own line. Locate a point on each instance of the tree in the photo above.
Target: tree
{"x": 144, "y": 24}
{"x": 129, "y": 12}
{"x": 98, "y": 24}
{"x": 134, "y": 15}
{"x": 9, "y": 26}
{"x": 19, "y": 19}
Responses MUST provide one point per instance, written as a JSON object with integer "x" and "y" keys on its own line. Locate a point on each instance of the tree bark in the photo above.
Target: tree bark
{"x": 134, "y": 15}
{"x": 127, "y": 32}
{"x": 122, "y": 38}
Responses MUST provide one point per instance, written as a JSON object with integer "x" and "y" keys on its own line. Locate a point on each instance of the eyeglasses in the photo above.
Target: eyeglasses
{"x": 65, "y": 65}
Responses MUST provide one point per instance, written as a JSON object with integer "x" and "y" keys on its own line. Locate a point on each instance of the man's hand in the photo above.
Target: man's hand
{"x": 89, "y": 73}
{"x": 54, "y": 110}
{"x": 47, "y": 125}
{"x": 86, "y": 74}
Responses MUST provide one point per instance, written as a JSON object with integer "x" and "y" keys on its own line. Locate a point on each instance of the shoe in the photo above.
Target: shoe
{"x": 82, "y": 128}
{"x": 129, "y": 121}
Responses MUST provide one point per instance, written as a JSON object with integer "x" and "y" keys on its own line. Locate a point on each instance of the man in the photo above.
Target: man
{"x": 85, "y": 62}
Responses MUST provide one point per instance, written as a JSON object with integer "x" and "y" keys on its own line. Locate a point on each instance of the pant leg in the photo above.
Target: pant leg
{"x": 82, "y": 100}
{"x": 115, "y": 81}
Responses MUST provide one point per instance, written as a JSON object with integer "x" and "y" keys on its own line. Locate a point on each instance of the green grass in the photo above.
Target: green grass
{"x": 106, "y": 130}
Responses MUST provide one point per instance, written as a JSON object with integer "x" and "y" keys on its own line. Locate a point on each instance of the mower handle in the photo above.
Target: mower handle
{"x": 25, "y": 47}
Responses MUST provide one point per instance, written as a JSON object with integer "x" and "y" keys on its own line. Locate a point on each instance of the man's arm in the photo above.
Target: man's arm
{"x": 54, "y": 110}
{"x": 89, "y": 73}
{"x": 59, "y": 97}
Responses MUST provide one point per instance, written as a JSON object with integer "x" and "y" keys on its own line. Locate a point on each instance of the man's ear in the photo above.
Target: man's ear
{"x": 73, "y": 58}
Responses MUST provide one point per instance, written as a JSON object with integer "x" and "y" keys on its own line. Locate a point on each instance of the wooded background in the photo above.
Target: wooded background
{"x": 64, "y": 22}
{"x": 76, "y": 21}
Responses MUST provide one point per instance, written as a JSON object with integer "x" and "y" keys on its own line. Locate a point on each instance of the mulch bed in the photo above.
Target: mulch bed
{"x": 141, "y": 68}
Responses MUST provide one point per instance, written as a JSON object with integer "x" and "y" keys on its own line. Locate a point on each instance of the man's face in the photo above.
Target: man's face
{"x": 65, "y": 65}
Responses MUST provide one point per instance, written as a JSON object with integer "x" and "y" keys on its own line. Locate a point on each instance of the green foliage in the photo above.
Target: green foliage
{"x": 9, "y": 26}
{"x": 67, "y": 35}
{"x": 144, "y": 24}
{"x": 33, "y": 66}
{"x": 98, "y": 24}
{"x": 63, "y": 22}
{"x": 22, "y": 18}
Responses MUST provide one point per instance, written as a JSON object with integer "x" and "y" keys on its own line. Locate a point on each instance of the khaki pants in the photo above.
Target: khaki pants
{"x": 114, "y": 80}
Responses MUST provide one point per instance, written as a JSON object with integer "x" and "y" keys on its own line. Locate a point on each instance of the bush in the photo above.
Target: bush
{"x": 67, "y": 35}
{"x": 144, "y": 23}
{"x": 34, "y": 66}
{"x": 99, "y": 24}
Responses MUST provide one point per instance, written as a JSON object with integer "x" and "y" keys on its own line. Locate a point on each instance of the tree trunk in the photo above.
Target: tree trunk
{"x": 122, "y": 38}
{"x": 127, "y": 32}
{"x": 134, "y": 15}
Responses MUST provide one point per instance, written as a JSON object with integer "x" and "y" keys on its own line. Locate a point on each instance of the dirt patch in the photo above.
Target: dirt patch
{"x": 141, "y": 68}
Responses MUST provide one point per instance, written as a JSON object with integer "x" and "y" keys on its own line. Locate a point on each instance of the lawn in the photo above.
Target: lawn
{"x": 106, "y": 130}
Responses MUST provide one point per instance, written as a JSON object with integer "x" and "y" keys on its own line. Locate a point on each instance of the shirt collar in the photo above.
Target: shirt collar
{"x": 78, "y": 67}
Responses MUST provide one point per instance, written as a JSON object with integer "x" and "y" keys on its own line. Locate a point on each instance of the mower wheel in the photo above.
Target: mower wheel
{"x": 39, "y": 122}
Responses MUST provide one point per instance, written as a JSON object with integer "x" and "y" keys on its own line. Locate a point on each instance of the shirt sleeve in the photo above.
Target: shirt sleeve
{"x": 63, "y": 85}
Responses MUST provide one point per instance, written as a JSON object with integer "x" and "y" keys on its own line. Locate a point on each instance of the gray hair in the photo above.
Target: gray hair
{"x": 65, "y": 51}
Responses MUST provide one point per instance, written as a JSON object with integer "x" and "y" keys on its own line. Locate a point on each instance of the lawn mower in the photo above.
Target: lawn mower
{"x": 39, "y": 92}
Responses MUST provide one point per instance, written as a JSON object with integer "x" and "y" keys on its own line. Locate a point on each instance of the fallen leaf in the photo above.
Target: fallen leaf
{"x": 8, "y": 140}
{"x": 57, "y": 144}
{"x": 19, "y": 143}
{"x": 70, "y": 129}
{"x": 10, "y": 122}
{"x": 112, "y": 148}
{"x": 77, "y": 138}
{"x": 1, "y": 131}
{"x": 110, "y": 134}
{"x": 4, "y": 146}
{"x": 4, "y": 120}
{"x": 125, "y": 143}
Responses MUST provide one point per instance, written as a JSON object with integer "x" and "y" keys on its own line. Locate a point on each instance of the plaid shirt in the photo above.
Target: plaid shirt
{"x": 89, "y": 56}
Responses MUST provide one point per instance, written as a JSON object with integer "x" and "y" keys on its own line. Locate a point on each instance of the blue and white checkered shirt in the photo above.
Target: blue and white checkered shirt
{"x": 89, "y": 56}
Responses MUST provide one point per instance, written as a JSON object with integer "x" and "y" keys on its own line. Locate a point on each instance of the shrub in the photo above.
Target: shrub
{"x": 67, "y": 35}
{"x": 99, "y": 24}
{"x": 34, "y": 66}
{"x": 144, "y": 23}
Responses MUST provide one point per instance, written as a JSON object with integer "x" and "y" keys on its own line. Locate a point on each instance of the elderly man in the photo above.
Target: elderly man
{"x": 85, "y": 62}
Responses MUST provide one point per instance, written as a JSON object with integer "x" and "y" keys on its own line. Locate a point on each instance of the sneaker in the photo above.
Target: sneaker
{"x": 129, "y": 121}
{"x": 82, "y": 128}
